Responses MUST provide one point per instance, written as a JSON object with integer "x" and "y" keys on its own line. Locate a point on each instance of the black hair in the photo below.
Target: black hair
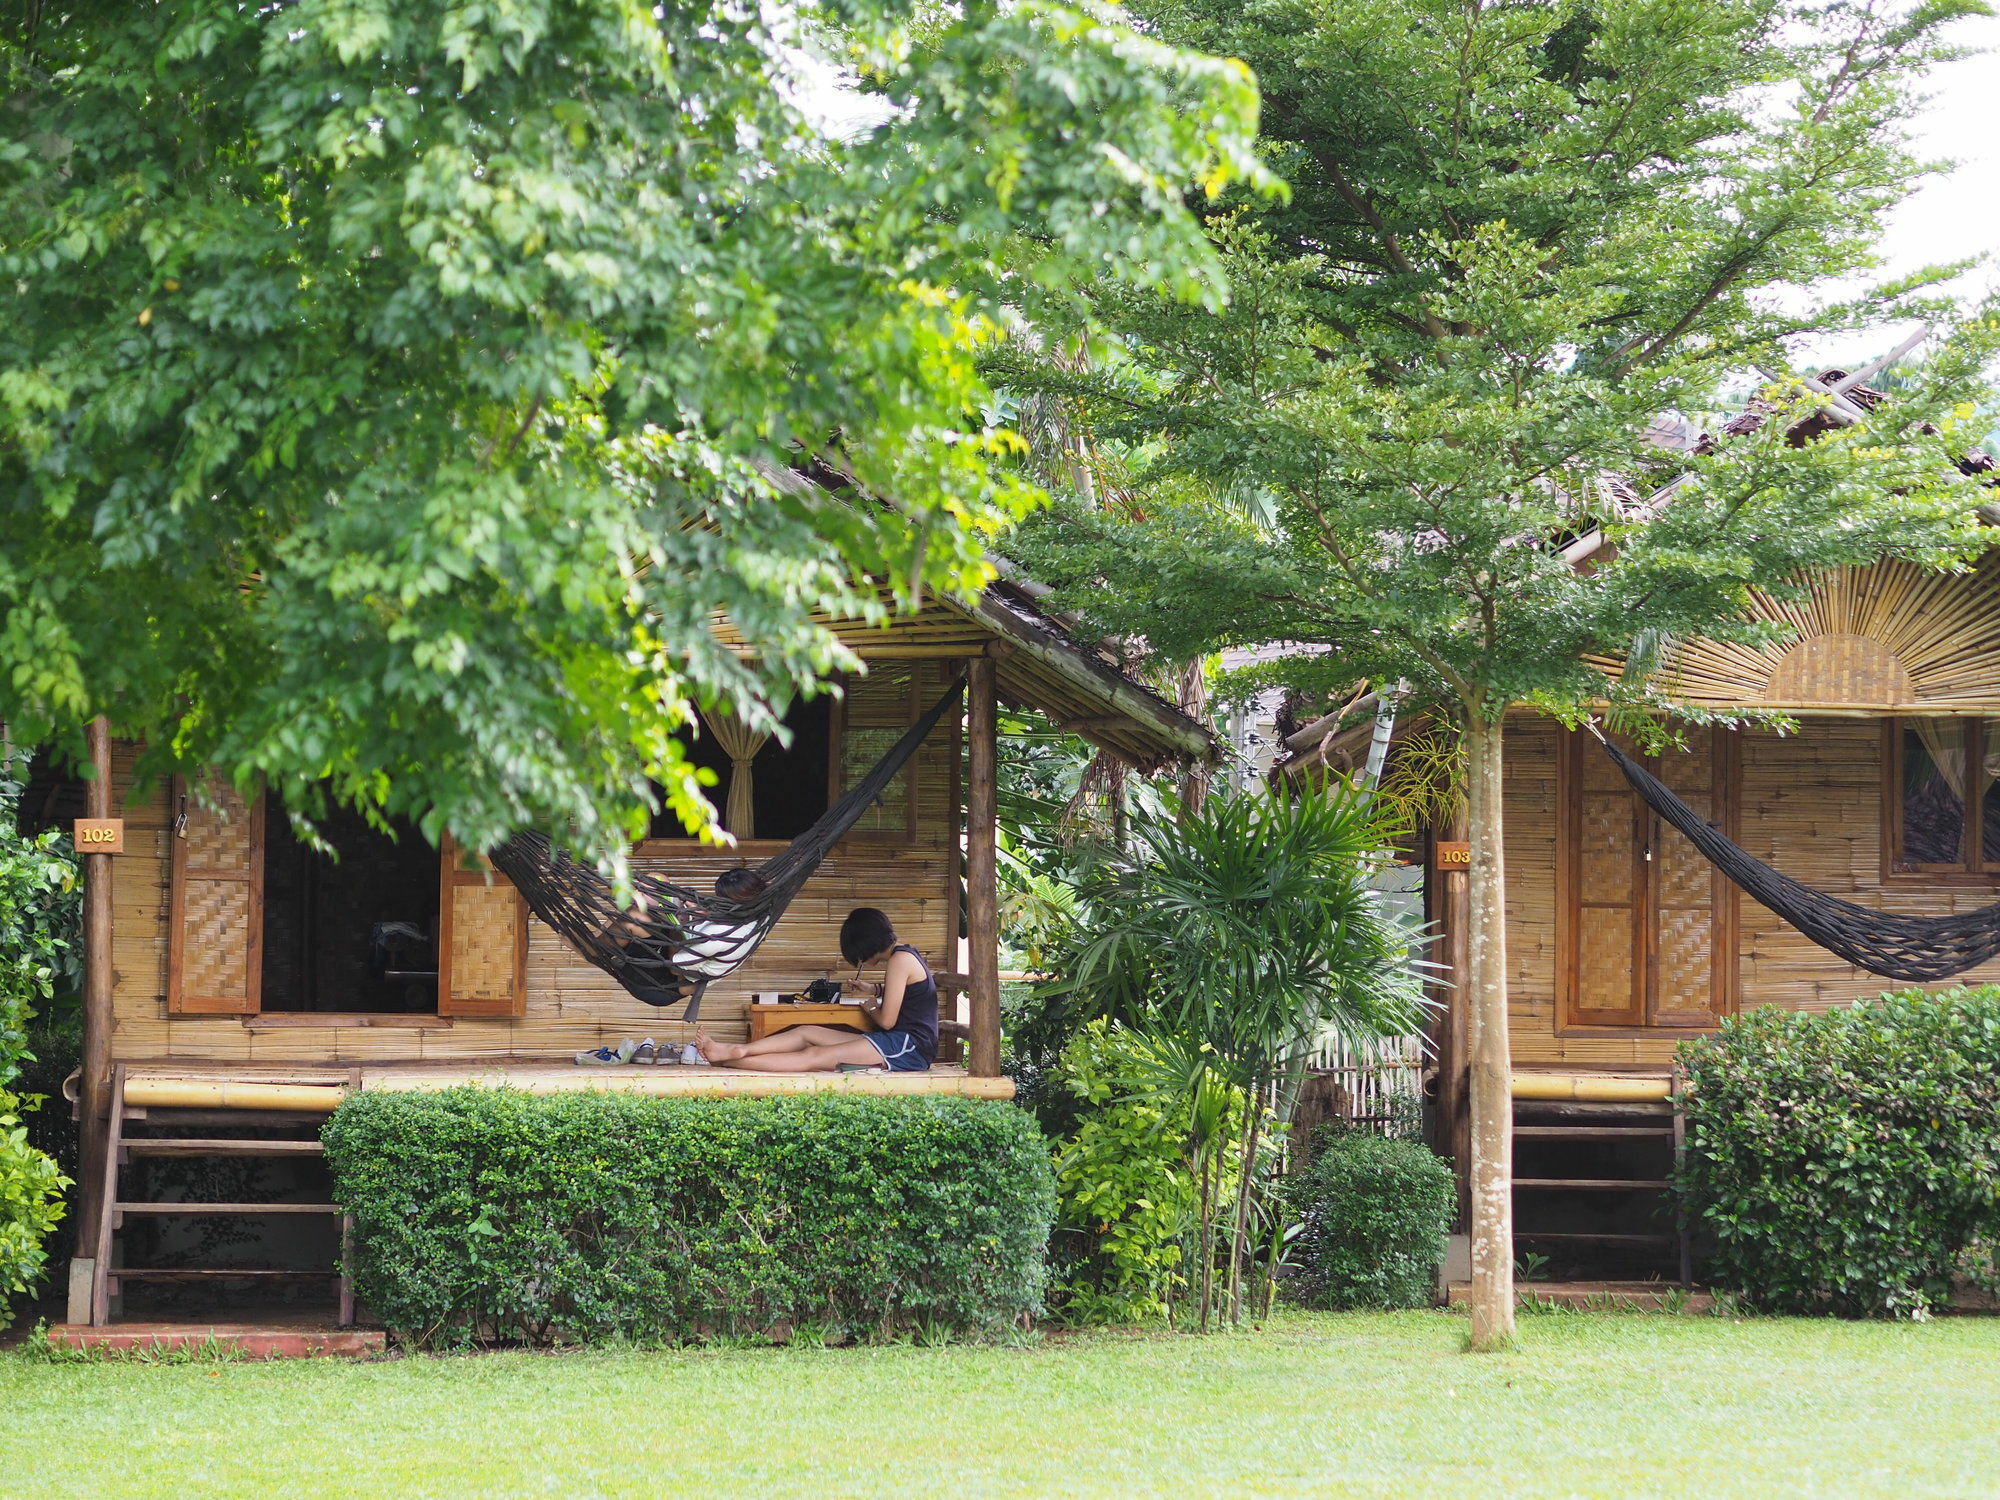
{"x": 865, "y": 933}
{"x": 740, "y": 884}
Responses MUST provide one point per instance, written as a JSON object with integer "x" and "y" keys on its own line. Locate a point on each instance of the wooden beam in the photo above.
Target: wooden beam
{"x": 96, "y": 1081}
{"x": 982, "y": 891}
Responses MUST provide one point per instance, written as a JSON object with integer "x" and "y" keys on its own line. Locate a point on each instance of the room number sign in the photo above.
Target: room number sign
{"x": 1449, "y": 856}
{"x": 100, "y": 835}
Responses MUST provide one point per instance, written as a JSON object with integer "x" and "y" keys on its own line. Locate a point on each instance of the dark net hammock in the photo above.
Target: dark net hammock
{"x": 1878, "y": 941}
{"x": 673, "y": 945}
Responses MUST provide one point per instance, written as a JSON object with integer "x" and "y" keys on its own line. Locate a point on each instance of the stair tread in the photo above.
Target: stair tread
{"x": 166, "y": 1273}
{"x": 200, "y": 1146}
{"x": 1596, "y": 1184}
{"x": 228, "y": 1208}
{"x": 1593, "y": 1132}
{"x": 1598, "y": 1239}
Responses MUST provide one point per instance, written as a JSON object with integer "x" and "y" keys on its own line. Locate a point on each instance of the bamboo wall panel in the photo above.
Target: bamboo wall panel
{"x": 570, "y": 1005}
{"x": 1810, "y": 805}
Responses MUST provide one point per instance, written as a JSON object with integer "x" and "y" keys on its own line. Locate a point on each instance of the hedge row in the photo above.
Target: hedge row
{"x": 593, "y": 1216}
{"x": 1849, "y": 1161}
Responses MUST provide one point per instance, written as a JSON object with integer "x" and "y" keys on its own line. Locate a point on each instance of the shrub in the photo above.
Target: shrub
{"x": 1127, "y": 1193}
{"x": 1848, "y": 1161}
{"x": 40, "y": 908}
{"x": 596, "y": 1216}
{"x": 30, "y": 1204}
{"x": 1372, "y": 1217}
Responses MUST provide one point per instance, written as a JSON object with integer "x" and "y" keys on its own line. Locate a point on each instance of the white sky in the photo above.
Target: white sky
{"x": 1955, "y": 216}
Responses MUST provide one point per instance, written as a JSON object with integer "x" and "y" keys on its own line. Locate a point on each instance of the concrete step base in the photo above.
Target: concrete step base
{"x": 1632, "y": 1296}
{"x": 250, "y": 1340}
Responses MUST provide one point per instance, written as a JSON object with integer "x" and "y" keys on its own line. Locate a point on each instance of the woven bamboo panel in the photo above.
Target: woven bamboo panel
{"x": 216, "y": 939}
{"x": 485, "y": 932}
{"x": 216, "y": 836}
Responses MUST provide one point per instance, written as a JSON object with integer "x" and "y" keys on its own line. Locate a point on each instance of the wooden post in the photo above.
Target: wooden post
{"x": 1450, "y": 909}
{"x": 96, "y": 1081}
{"x": 982, "y": 892}
{"x": 1492, "y": 1092}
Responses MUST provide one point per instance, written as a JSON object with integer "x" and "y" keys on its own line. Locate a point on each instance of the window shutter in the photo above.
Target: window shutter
{"x": 1601, "y": 897}
{"x": 482, "y": 940}
{"x": 215, "y": 925}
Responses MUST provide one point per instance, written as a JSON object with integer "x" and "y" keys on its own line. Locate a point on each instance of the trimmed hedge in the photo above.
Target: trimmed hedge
{"x": 1848, "y": 1161}
{"x": 1373, "y": 1214}
{"x": 594, "y": 1216}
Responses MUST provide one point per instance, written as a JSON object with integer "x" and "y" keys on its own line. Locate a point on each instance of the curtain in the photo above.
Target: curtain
{"x": 1944, "y": 741}
{"x": 740, "y": 743}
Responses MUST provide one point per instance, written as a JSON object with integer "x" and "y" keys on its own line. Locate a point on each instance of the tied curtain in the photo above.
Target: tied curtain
{"x": 740, "y": 743}
{"x": 1944, "y": 741}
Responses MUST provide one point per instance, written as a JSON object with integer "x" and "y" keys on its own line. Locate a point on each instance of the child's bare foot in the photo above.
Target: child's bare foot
{"x": 714, "y": 1051}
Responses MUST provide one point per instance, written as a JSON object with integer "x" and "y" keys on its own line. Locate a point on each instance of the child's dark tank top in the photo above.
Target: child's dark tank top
{"x": 919, "y": 1014}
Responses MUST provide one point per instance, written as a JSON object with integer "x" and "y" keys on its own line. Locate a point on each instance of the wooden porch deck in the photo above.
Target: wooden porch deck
{"x": 168, "y": 1085}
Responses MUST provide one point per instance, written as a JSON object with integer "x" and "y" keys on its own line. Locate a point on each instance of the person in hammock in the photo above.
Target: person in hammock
{"x": 707, "y": 947}
{"x": 906, "y": 1008}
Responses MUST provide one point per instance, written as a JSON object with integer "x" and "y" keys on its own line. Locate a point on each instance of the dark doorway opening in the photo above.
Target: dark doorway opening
{"x": 353, "y": 933}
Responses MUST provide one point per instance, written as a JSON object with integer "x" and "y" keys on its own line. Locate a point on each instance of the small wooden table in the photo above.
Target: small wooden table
{"x": 767, "y": 1020}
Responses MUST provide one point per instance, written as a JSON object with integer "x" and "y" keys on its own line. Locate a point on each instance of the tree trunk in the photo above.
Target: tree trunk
{"x": 1239, "y": 1229}
{"x": 1492, "y": 1068}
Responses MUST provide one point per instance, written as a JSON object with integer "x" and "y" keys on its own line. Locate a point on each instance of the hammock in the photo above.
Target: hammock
{"x": 1878, "y": 941}
{"x": 683, "y": 939}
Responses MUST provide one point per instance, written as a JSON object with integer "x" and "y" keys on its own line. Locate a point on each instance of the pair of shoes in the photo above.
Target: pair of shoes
{"x": 598, "y": 1057}
{"x": 691, "y": 1055}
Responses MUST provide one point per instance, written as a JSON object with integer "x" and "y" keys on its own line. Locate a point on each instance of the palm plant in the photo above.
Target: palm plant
{"x": 1241, "y": 938}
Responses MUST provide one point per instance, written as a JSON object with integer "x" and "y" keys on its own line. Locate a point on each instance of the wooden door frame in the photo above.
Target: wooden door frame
{"x": 1725, "y": 972}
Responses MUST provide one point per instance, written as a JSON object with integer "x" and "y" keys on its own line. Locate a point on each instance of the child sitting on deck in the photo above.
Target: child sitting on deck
{"x": 907, "y": 1012}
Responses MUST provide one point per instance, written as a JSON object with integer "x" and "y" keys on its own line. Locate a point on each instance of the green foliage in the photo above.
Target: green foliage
{"x": 30, "y": 1202}
{"x": 1373, "y": 1214}
{"x": 40, "y": 907}
{"x": 1235, "y": 940}
{"x": 1128, "y": 1198}
{"x": 392, "y": 390}
{"x": 1519, "y": 238}
{"x": 1848, "y": 1161}
{"x": 40, "y": 913}
{"x": 1248, "y": 931}
{"x": 600, "y": 1216}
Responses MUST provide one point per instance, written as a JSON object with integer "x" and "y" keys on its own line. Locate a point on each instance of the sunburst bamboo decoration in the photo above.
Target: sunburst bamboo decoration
{"x": 1888, "y": 638}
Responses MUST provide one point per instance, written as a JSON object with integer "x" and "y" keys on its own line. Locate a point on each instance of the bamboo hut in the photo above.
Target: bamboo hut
{"x": 236, "y": 978}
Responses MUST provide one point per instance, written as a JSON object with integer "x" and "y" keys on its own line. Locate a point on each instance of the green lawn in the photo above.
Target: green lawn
{"x": 1594, "y": 1405}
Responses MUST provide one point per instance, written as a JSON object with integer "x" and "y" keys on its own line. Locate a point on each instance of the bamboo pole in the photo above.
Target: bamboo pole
{"x": 982, "y": 892}
{"x": 97, "y": 976}
{"x": 1492, "y": 1068}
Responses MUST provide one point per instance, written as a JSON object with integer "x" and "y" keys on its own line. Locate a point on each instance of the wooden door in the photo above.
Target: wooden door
{"x": 1646, "y": 926}
{"x": 215, "y": 904}
{"x": 482, "y": 940}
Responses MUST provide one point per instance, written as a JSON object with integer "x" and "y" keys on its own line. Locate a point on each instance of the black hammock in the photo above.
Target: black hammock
{"x": 1878, "y": 941}
{"x": 681, "y": 939}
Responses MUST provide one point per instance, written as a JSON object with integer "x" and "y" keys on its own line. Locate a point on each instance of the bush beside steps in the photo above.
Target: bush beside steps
{"x": 492, "y": 1213}
{"x": 1848, "y": 1162}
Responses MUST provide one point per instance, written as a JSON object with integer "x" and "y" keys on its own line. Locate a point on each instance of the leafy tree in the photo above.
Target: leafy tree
{"x": 40, "y": 900}
{"x": 391, "y": 391}
{"x": 1237, "y": 939}
{"x": 1519, "y": 236}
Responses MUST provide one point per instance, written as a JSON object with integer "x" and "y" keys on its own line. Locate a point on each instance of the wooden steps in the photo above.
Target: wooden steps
{"x": 1593, "y": 1162}
{"x": 108, "y": 1278}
